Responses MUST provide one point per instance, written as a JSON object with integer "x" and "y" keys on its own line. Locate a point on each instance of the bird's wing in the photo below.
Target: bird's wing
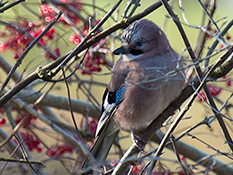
{"x": 111, "y": 101}
{"x": 112, "y": 98}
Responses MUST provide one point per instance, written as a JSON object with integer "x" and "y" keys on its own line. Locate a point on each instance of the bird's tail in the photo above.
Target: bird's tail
{"x": 100, "y": 149}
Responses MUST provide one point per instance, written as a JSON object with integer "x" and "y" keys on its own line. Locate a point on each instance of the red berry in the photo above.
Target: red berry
{"x": 39, "y": 150}
{"x": 31, "y": 24}
{"x": 96, "y": 60}
{"x": 2, "y": 46}
{"x": 209, "y": 36}
{"x": 88, "y": 64}
{"x": 3, "y": 34}
{"x": 98, "y": 69}
{"x": 228, "y": 83}
{"x": 83, "y": 72}
{"x": 182, "y": 157}
{"x": 201, "y": 96}
{"x": 104, "y": 63}
{"x": 50, "y": 152}
{"x": 75, "y": 39}
{"x": 42, "y": 42}
{"x": 3, "y": 121}
{"x": 30, "y": 141}
{"x": 224, "y": 77}
{"x": 210, "y": 28}
{"x": 135, "y": 170}
{"x": 48, "y": 18}
{"x": 50, "y": 34}
{"x": 228, "y": 37}
{"x": 68, "y": 148}
{"x": 16, "y": 56}
{"x": 214, "y": 90}
{"x": 45, "y": 9}
{"x": 92, "y": 126}
{"x": 57, "y": 51}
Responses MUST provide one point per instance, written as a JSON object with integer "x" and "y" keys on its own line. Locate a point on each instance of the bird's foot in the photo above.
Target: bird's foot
{"x": 140, "y": 143}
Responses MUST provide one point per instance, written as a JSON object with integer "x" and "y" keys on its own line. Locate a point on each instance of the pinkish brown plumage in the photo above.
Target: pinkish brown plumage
{"x": 149, "y": 87}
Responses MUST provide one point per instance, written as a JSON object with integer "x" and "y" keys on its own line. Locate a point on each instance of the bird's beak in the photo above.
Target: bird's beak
{"x": 120, "y": 50}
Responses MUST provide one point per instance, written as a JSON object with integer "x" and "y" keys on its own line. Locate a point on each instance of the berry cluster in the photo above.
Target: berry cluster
{"x": 93, "y": 60}
{"x": 17, "y": 40}
{"x": 92, "y": 63}
{"x": 215, "y": 91}
{"x": 31, "y": 142}
{"x": 28, "y": 122}
{"x": 47, "y": 13}
{"x": 227, "y": 81}
{"x": 59, "y": 150}
{"x": 20, "y": 34}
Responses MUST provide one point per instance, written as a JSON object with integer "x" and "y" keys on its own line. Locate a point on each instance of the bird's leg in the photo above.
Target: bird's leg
{"x": 140, "y": 143}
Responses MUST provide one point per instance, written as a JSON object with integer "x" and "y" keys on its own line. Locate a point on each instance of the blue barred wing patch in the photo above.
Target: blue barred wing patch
{"x": 119, "y": 95}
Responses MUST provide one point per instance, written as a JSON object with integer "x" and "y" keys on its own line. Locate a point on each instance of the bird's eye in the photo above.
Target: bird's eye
{"x": 140, "y": 43}
{"x": 136, "y": 51}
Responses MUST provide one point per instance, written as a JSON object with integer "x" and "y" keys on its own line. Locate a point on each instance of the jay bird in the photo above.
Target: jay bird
{"x": 145, "y": 79}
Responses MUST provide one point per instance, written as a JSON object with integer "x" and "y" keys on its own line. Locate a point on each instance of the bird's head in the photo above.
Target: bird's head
{"x": 143, "y": 38}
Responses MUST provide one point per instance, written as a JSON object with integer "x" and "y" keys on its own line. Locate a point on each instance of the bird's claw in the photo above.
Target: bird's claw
{"x": 140, "y": 143}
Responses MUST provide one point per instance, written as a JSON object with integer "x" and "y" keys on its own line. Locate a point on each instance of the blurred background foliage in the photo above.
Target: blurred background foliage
{"x": 89, "y": 82}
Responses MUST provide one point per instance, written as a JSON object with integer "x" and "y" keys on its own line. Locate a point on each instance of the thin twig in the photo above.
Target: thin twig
{"x": 198, "y": 156}
{"x": 25, "y": 154}
{"x": 136, "y": 4}
{"x": 2, "y": 159}
{"x": 224, "y": 31}
{"x": 211, "y": 147}
{"x": 210, "y": 16}
{"x": 185, "y": 169}
{"x": 10, "y": 5}
{"x": 70, "y": 107}
{"x": 203, "y": 38}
